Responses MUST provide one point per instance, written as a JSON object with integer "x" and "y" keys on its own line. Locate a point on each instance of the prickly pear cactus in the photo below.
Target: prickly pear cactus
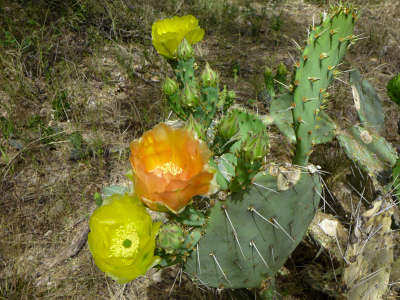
{"x": 241, "y": 236}
{"x": 253, "y": 231}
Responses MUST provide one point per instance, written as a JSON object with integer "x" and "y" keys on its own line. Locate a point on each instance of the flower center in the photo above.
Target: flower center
{"x": 126, "y": 241}
{"x": 170, "y": 168}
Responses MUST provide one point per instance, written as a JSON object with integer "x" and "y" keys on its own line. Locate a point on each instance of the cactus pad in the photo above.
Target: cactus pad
{"x": 369, "y": 151}
{"x": 254, "y": 231}
{"x": 281, "y": 112}
{"x": 325, "y": 47}
{"x": 368, "y": 105}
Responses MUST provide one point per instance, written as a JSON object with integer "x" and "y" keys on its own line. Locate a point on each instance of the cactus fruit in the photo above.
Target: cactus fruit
{"x": 393, "y": 89}
{"x": 369, "y": 151}
{"x": 325, "y": 47}
{"x": 170, "y": 237}
{"x": 253, "y": 231}
{"x": 367, "y": 103}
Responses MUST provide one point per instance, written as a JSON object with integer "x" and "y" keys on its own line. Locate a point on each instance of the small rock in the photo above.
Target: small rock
{"x": 48, "y": 233}
{"x": 18, "y": 144}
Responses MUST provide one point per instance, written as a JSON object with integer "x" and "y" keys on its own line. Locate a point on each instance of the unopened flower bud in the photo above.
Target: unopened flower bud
{"x": 280, "y": 76}
{"x": 269, "y": 81}
{"x": 256, "y": 146}
{"x": 170, "y": 86}
{"x": 281, "y": 71}
{"x": 185, "y": 50}
{"x": 189, "y": 95}
{"x": 192, "y": 125}
{"x": 229, "y": 126}
{"x": 210, "y": 77}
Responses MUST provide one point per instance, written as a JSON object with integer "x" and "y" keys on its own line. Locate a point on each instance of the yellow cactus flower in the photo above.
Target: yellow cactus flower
{"x": 168, "y": 34}
{"x": 169, "y": 167}
{"x": 122, "y": 238}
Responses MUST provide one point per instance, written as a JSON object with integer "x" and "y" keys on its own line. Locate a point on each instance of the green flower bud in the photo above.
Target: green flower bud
{"x": 189, "y": 95}
{"x": 210, "y": 77}
{"x": 267, "y": 72}
{"x": 170, "y": 86}
{"x": 171, "y": 237}
{"x": 280, "y": 76}
{"x": 281, "y": 71}
{"x": 269, "y": 81}
{"x": 229, "y": 126}
{"x": 393, "y": 89}
{"x": 192, "y": 125}
{"x": 255, "y": 147}
{"x": 232, "y": 94}
{"x": 185, "y": 50}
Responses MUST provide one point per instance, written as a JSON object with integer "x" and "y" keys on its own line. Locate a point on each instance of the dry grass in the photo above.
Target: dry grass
{"x": 89, "y": 67}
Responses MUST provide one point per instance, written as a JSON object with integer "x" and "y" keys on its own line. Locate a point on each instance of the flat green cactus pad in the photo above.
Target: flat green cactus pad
{"x": 255, "y": 230}
{"x": 368, "y": 105}
{"x": 369, "y": 151}
{"x": 282, "y": 115}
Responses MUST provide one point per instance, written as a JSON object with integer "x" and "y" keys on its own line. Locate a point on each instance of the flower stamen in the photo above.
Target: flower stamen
{"x": 170, "y": 168}
{"x": 126, "y": 243}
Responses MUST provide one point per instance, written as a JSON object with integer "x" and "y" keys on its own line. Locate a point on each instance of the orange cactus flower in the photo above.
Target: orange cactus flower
{"x": 170, "y": 167}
